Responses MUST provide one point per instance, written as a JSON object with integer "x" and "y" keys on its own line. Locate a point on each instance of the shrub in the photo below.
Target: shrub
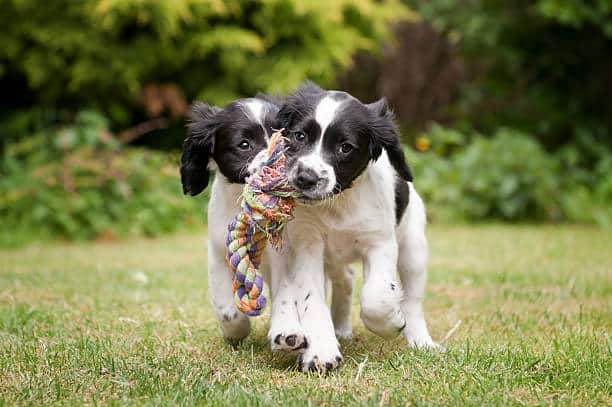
{"x": 508, "y": 176}
{"x": 587, "y": 196}
{"x": 102, "y": 54}
{"x": 79, "y": 182}
{"x": 541, "y": 66}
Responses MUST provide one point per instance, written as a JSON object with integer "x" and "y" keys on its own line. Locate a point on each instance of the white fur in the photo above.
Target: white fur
{"x": 222, "y": 207}
{"x": 256, "y": 109}
{"x": 325, "y": 114}
{"x": 359, "y": 224}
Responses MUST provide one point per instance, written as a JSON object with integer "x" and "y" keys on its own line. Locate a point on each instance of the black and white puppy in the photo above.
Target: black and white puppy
{"x": 227, "y": 140}
{"x": 359, "y": 204}
{"x": 233, "y": 141}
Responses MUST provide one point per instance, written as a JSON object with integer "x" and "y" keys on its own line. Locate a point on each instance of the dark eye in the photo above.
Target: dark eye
{"x": 299, "y": 135}
{"x": 345, "y": 148}
{"x": 244, "y": 145}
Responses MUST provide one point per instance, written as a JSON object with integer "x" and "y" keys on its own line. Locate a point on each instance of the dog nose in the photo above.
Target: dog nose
{"x": 306, "y": 178}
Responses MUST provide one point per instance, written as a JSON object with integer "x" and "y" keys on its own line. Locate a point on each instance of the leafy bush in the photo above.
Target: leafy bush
{"x": 587, "y": 196}
{"x": 102, "y": 54}
{"x": 79, "y": 182}
{"x": 508, "y": 176}
{"x": 541, "y": 66}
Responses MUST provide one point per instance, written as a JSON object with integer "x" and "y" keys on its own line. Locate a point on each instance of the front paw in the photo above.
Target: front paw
{"x": 234, "y": 325}
{"x": 386, "y": 323}
{"x": 417, "y": 335}
{"x": 320, "y": 361}
{"x": 344, "y": 332}
{"x": 380, "y": 311}
{"x": 425, "y": 344}
{"x": 294, "y": 341}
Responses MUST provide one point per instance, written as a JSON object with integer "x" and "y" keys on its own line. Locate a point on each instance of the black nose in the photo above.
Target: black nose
{"x": 306, "y": 178}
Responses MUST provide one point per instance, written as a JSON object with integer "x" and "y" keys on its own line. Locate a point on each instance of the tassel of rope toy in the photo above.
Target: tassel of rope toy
{"x": 267, "y": 205}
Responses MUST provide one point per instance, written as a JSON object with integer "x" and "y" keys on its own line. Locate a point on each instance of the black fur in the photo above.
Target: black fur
{"x": 217, "y": 133}
{"x": 402, "y": 196}
{"x": 385, "y": 135}
{"x": 368, "y": 129}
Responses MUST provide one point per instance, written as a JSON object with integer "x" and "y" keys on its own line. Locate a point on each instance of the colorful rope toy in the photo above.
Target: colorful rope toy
{"x": 267, "y": 206}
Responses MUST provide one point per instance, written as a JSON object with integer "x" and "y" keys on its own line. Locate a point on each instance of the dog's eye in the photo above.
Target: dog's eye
{"x": 244, "y": 145}
{"x": 299, "y": 135}
{"x": 345, "y": 148}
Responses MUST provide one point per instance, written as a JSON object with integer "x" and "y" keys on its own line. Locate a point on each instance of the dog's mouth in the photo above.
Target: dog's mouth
{"x": 314, "y": 198}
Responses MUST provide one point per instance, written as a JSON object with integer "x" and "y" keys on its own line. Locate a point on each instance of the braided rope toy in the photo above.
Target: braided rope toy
{"x": 267, "y": 205}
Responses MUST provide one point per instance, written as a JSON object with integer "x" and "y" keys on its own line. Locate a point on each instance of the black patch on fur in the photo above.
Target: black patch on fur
{"x": 307, "y": 297}
{"x": 402, "y": 197}
{"x": 290, "y": 340}
{"x": 304, "y": 345}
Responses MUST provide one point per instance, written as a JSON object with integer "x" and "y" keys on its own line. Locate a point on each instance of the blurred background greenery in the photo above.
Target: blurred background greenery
{"x": 503, "y": 106}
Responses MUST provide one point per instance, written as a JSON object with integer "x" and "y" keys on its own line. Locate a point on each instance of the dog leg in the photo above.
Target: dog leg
{"x": 235, "y": 325}
{"x": 342, "y": 295}
{"x": 381, "y": 294}
{"x": 413, "y": 272}
{"x": 307, "y": 282}
{"x": 285, "y": 332}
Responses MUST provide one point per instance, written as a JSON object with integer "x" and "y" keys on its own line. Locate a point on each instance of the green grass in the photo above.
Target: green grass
{"x": 130, "y": 322}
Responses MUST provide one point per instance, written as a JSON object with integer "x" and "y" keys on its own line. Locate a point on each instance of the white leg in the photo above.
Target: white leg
{"x": 234, "y": 324}
{"x": 381, "y": 294}
{"x": 342, "y": 295}
{"x": 307, "y": 283}
{"x": 285, "y": 332}
{"x": 413, "y": 272}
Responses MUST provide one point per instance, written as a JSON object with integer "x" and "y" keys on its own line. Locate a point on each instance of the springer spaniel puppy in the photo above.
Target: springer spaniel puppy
{"x": 231, "y": 137}
{"x": 235, "y": 138}
{"x": 358, "y": 203}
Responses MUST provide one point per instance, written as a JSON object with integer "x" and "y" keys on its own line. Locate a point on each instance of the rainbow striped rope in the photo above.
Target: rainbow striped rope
{"x": 267, "y": 206}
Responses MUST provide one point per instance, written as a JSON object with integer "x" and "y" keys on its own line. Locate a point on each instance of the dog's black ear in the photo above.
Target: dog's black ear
{"x": 384, "y": 135}
{"x": 198, "y": 147}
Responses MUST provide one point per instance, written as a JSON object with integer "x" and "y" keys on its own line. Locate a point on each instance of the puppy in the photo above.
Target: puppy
{"x": 235, "y": 139}
{"x": 358, "y": 203}
{"x": 231, "y": 137}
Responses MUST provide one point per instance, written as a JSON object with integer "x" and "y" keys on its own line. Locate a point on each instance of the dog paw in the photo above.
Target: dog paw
{"x": 319, "y": 362}
{"x": 234, "y": 325}
{"x": 426, "y": 345}
{"x": 289, "y": 342}
{"x": 417, "y": 335}
{"x": 384, "y": 322}
{"x": 344, "y": 332}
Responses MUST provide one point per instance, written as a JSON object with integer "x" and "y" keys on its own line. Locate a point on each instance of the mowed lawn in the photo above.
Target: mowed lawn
{"x": 130, "y": 322}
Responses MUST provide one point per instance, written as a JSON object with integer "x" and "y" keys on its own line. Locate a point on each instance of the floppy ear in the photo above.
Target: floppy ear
{"x": 198, "y": 147}
{"x": 384, "y": 135}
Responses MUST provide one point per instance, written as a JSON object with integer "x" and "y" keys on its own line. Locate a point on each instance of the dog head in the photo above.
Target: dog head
{"x": 332, "y": 139}
{"x": 232, "y": 137}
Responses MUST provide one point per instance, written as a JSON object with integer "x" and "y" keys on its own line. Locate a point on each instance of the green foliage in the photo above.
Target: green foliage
{"x": 591, "y": 201}
{"x": 508, "y": 176}
{"x": 100, "y": 53}
{"x": 541, "y": 66}
{"x": 78, "y": 182}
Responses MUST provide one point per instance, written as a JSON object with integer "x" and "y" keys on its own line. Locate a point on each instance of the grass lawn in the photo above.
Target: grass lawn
{"x": 130, "y": 322}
